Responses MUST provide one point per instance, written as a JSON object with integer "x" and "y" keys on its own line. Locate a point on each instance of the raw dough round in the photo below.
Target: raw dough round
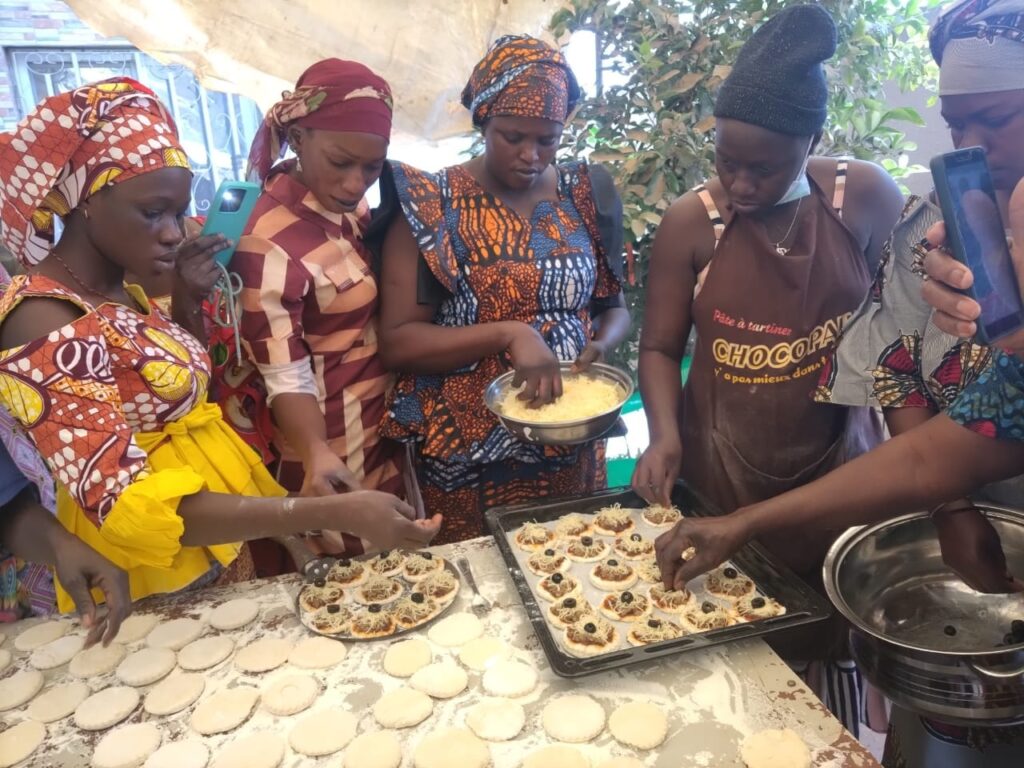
{"x": 556, "y": 756}
{"x": 174, "y": 694}
{"x": 290, "y": 695}
{"x": 772, "y": 748}
{"x": 496, "y": 719}
{"x": 127, "y": 747}
{"x": 260, "y": 750}
{"x": 574, "y": 719}
{"x": 317, "y": 653}
{"x": 407, "y": 657}
{"x": 41, "y": 634}
{"x": 205, "y": 652}
{"x": 98, "y": 660}
{"x": 481, "y": 653}
{"x": 263, "y": 655}
{"x": 510, "y": 679}
{"x": 58, "y": 702}
{"x": 189, "y": 753}
{"x": 234, "y": 614}
{"x": 136, "y": 627}
{"x": 402, "y": 708}
{"x": 146, "y": 666}
{"x": 452, "y": 746}
{"x": 174, "y": 634}
{"x": 59, "y": 652}
{"x": 323, "y": 733}
{"x": 19, "y": 741}
{"x": 106, "y": 708}
{"x": 376, "y": 749}
{"x": 456, "y": 630}
{"x": 638, "y": 724}
{"x": 5, "y": 659}
{"x": 621, "y": 762}
{"x": 19, "y": 688}
{"x": 442, "y": 680}
{"x": 225, "y": 710}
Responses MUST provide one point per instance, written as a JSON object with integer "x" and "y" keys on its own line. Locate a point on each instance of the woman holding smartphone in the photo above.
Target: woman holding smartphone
{"x": 110, "y": 390}
{"x": 892, "y": 355}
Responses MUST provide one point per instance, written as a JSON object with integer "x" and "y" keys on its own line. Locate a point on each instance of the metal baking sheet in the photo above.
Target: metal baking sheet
{"x": 803, "y": 604}
{"x": 348, "y": 600}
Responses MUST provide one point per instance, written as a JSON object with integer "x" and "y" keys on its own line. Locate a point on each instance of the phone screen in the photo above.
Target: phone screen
{"x": 984, "y": 242}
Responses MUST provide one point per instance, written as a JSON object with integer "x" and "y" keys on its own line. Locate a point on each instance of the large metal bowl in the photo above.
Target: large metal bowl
{"x": 924, "y": 638}
{"x": 562, "y": 432}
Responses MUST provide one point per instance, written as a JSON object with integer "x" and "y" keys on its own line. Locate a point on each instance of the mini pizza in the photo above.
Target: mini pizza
{"x": 569, "y": 610}
{"x": 557, "y": 586}
{"x": 332, "y": 619}
{"x": 573, "y": 526}
{"x": 318, "y": 594}
{"x": 420, "y": 565}
{"x": 653, "y": 631}
{"x": 613, "y": 521}
{"x": 387, "y": 563}
{"x": 413, "y": 610}
{"x": 612, "y": 576}
{"x": 707, "y": 616}
{"x": 662, "y": 517}
{"x": 440, "y": 586}
{"x": 548, "y": 561}
{"x": 378, "y": 589}
{"x": 634, "y": 547}
{"x": 372, "y": 622}
{"x": 586, "y": 549}
{"x": 648, "y": 570}
{"x": 754, "y": 607}
{"x": 590, "y": 636}
{"x": 533, "y": 537}
{"x": 728, "y": 582}
{"x": 671, "y": 600}
{"x": 347, "y": 573}
{"x": 625, "y": 606}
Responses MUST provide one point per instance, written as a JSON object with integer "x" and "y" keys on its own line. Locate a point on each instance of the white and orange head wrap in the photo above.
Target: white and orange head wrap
{"x": 70, "y": 147}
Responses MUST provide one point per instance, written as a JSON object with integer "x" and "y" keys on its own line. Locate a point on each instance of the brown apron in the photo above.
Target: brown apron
{"x": 765, "y": 322}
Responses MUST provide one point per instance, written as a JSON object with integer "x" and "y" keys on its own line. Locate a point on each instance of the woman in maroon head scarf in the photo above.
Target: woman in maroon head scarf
{"x": 308, "y": 310}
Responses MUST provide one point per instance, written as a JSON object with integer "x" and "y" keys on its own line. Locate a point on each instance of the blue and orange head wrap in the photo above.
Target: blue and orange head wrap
{"x": 521, "y": 76}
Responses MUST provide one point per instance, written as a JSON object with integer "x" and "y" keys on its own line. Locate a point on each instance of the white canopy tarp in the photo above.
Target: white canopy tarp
{"x": 424, "y": 48}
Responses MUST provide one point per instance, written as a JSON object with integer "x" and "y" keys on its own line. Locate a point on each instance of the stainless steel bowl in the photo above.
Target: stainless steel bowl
{"x": 562, "y": 432}
{"x": 924, "y": 638}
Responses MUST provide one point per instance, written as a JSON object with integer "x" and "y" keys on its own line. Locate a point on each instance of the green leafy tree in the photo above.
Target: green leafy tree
{"x": 654, "y": 126}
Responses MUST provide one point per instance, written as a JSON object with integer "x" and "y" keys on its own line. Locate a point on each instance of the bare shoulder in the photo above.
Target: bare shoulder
{"x": 868, "y": 179}
{"x": 685, "y": 234}
{"x": 35, "y": 317}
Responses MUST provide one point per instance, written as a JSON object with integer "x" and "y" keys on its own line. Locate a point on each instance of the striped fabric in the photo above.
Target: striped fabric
{"x": 309, "y": 294}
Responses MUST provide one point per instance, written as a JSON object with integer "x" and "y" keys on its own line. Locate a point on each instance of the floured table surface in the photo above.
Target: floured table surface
{"x": 713, "y": 699}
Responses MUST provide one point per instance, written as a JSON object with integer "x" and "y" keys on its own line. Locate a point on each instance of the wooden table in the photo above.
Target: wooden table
{"x": 713, "y": 697}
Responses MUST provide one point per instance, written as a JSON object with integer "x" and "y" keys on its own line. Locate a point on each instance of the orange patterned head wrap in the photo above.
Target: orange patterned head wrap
{"x": 523, "y": 77}
{"x": 73, "y": 145}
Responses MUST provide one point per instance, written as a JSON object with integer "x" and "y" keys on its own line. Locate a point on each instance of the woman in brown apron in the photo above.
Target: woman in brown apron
{"x": 765, "y": 261}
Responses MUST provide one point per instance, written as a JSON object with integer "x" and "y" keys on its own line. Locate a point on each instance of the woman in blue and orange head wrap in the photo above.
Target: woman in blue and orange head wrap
{"x": 110, "y": 390}
{"x": 506, "y": 261}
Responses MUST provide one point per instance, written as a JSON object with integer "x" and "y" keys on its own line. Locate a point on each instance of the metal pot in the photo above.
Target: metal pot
{"x": 562, "y": 432}
{"x": 924, "y": 638}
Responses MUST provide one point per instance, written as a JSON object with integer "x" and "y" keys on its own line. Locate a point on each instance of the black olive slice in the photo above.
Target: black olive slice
{"x": 557, "y": 578}
{"x": 708, "y": 607}
{"x": 613, "y": 563}
{"x": 730, "y": 573}
{"x": 569, "y": 602}
{"x": 636, "y": 537}
{"x": 626, "y": 597}
{"x": 334, "y": 608}
{"x": 590, "y": 627}
{"x": 586, "y": 541}
{"x": 757, "y": 602}
{"x": 417, "y": 597}
{"x": 375, "y": 608}
{"x": 549, "y": 552}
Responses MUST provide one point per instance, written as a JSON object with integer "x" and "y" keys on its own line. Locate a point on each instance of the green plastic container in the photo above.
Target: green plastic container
{"x": 620, "y": 470}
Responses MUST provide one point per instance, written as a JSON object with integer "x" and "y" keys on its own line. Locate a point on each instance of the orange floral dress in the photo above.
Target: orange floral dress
{"x": 115, "y": 402}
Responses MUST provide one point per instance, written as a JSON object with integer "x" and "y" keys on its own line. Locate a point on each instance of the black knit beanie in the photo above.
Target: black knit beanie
{"x": 778, "y": 81}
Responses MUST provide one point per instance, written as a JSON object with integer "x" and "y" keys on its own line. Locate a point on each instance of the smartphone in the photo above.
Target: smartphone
{"x": 976, "y": 236}
{"x": 229, "y": 213}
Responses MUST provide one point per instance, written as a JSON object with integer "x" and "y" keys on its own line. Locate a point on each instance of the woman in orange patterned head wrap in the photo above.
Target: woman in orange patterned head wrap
{"x": 110, "y": 390}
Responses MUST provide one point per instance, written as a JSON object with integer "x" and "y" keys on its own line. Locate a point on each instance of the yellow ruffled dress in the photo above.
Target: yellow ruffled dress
{"x": 116, "y": 404}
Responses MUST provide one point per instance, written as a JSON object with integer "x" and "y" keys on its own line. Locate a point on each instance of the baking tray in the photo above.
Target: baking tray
{"x": 803, "y": 604}
{"x": 348, "y": 600}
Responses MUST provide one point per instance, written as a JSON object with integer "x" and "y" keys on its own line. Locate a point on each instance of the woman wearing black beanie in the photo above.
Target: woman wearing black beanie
{"x": 765, "y": 261}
